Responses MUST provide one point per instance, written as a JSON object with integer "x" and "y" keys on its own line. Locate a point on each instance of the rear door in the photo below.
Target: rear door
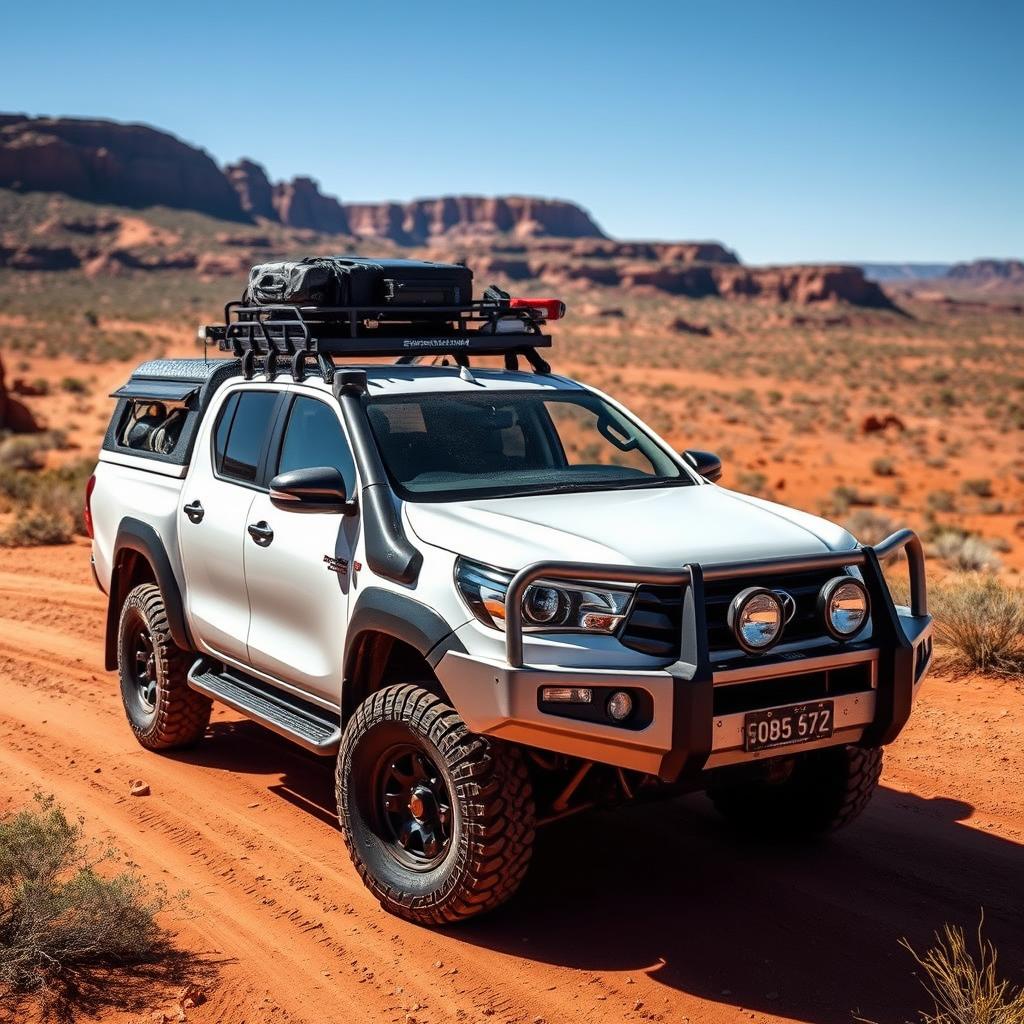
{"x": 298, "y": 565}
{"x": 219, "y": 490}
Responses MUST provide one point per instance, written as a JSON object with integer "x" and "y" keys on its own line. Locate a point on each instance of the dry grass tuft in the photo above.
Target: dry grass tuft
{"x": 966, "y": 552}
{"x": 965, "y": 989}
{"x": 980, "y": 622}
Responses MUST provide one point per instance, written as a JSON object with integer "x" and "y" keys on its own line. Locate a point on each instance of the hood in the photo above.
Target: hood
{"x": 667, "y": 527}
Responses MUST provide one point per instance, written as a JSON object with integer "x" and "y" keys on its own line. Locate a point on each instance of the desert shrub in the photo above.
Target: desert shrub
{"x": 940, "y": 501}
{"x": 966, "y": 552}
{"x": 869, "y": 527}
{"x": 979, "y": 488}
{"x": 980, "y": 622}
{"x": 965, "y": 989}
{"x": 24, "y": 451}
{"x": 751, "y": 482}
{"x": 38, "y": 527}
{"x": 49, "y": 505}
{"x": 58, "y": 913}
{"x": 74, "y": 386}
{"x": 883, "y": 466}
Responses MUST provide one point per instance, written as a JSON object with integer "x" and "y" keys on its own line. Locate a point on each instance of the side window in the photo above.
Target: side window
{"x": 313, "y": 437}
{"x": 220, "y": 437}
{"x": 241, "y": 432}
{"x": 152, "y": 427}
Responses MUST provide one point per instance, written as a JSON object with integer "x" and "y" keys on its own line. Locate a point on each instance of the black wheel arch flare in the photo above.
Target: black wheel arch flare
{"x": 135, "y": 535}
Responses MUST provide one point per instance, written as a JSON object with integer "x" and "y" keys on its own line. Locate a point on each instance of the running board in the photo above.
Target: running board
{"x": 296, "y": 719}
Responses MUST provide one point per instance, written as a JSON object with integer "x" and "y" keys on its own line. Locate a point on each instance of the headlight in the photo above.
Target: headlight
{"x": 550, "y": 607}
{"x": 843, "y": 603}
{"x": 756, "y": 618}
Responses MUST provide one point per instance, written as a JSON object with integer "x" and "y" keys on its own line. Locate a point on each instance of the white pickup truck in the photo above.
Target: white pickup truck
{"x": 494, "y": 595}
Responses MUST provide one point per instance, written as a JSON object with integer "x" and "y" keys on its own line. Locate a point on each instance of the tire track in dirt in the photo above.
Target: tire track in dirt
{"x": 647, "y": 913}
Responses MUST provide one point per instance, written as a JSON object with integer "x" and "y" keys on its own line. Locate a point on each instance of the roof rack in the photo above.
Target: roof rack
{"x": 269, "y": 334}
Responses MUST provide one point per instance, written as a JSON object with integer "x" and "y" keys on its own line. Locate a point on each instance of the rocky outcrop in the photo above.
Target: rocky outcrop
{"x": 467, "y": 217}
{"x": 664, "y": 252}
{"x": 39, "y": 257}
{"x": 988, "y": 273}
{"x": 108, "y": 162}
{"x": 675, "y": 279}
{"x": 14, "y": 415}
{"x": 299, "y": 203}
{"x": 255, "y": 192}
{"x": 802, "y": 285}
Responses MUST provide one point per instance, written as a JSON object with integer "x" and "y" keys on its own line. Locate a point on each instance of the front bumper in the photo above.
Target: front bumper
{"x": 696, "y": 718}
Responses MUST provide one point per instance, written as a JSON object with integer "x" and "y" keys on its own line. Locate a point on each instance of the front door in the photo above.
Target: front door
{"x": 212, "y": 517}
{"x": 298, "y": 564}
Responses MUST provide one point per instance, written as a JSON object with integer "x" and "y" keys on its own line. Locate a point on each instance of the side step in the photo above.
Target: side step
{"x": 296, "y": 719}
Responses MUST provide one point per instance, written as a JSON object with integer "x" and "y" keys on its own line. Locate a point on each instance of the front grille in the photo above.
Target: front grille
{"x": 654, "y": 624}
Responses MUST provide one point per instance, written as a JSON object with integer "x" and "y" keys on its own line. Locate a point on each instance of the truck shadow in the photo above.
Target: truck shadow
{"x": 808, "y": 932}
{"x": 668, "y": 891}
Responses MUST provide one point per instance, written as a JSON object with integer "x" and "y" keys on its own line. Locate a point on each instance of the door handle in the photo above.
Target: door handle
{"x": 261, "y": 533}
{"x": 195, "y": 511}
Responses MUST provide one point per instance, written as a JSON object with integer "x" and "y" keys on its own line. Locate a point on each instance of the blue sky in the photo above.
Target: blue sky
{"x": 789, "y": 131}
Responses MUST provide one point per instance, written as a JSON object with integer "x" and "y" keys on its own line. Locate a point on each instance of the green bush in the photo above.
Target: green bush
{"x": 58, "y": 914}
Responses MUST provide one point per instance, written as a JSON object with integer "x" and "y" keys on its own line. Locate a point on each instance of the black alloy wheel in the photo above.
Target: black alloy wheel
{"x": 415, "y": 806}
{"x": 143, "y": 668}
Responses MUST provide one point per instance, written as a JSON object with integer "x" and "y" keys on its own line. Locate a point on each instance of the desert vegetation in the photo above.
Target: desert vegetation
{"x": 979, "y": 625}
{"x": 78, "y": 933}
{"x": 965, "y": 986}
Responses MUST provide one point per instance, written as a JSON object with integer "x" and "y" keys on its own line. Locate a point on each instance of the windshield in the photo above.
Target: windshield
{"x": 440, "y": 447}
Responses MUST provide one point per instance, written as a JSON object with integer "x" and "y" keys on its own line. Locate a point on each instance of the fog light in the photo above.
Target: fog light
{"x": 756, "y": 619}
{"x": 620, "y": 704}
{"x": 844, "y": 604}
{"x": 567, "y": 694}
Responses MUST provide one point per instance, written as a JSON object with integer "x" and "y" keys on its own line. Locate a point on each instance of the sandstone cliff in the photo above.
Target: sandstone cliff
{"x": 108, "y": 162}
{"x": 299, "y": 203}
{"x": 993, "y": 274}
{"x": 426, "y": 220}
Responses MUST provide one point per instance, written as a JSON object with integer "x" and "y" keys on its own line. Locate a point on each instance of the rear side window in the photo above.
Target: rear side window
{"x": 241, "y": 432}
{"x": 151, "y": 427}
{"x": 314, "y": 437}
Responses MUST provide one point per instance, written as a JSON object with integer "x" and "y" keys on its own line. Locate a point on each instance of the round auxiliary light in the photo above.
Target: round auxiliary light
{"x": 541, "y": 605}
{"x": 844, "y": 605}
{"x": 620, "y": 705}
{"x": 756, "y": 618}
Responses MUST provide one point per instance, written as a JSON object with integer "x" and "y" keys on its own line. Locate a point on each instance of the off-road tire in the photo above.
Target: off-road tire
{"x": 826, "y": 790}
{"x": 179, "y": 716}
{"x": 493, "y": 815}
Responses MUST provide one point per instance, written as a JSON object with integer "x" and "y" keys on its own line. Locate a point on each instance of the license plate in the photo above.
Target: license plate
{"x": 779, "y": 726}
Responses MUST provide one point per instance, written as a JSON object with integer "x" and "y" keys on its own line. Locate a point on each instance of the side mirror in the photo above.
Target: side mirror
{"x": 707, "y": 464}
{"x": 317, "y": 489}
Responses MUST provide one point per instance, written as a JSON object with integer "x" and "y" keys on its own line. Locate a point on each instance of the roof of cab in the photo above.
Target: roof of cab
{"x": 382, "y": 378}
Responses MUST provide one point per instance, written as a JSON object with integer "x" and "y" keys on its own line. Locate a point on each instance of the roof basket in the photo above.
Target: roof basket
{"x": 264, "y": 336}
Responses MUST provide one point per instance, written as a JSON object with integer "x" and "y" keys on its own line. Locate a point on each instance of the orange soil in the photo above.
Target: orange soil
{"x": 645, "y": 913}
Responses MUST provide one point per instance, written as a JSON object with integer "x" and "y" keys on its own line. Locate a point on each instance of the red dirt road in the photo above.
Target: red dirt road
{"x": 655, "y": 912}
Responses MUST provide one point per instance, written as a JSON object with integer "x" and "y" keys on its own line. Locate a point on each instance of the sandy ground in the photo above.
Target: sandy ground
{"x": 644, "y": 913}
